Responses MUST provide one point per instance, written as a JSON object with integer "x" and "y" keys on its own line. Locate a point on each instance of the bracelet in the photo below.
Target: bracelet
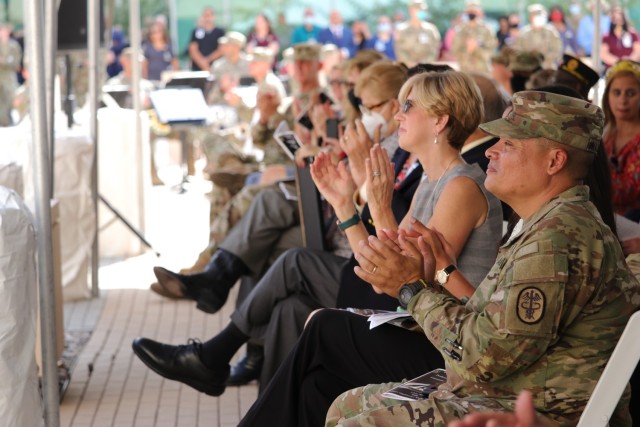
{"x": 343, "y": 225}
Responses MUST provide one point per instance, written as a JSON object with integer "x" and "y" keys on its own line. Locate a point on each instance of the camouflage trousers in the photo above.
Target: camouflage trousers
{"x": 226, "y": 210}
{"x": 365, "y": 406}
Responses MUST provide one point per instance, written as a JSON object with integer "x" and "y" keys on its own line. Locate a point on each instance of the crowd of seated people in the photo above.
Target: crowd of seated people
{"x": 428, "y": 166}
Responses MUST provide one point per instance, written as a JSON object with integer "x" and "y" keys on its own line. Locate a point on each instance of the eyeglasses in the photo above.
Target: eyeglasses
{"x": 406, "y": 106}
{"x": 367, "y": 110}
{"x": 337, "y": 82}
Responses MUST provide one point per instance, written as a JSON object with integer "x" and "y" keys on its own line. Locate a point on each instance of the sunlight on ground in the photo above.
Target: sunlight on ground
{"x": 177, "y": 226}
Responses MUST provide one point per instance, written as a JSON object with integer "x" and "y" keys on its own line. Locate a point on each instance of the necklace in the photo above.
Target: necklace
{"x": 435, "y": 188}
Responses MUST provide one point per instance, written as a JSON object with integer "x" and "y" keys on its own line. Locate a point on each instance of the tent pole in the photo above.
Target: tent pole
{"x": 33, "y": 12}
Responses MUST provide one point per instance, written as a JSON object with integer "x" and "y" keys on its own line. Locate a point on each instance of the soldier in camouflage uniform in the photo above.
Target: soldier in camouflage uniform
{"x": 417, "y": 41}
{"x": 228, "y": 70}
{"x": 541, "y": 36}
{"x": 10, "y": 55}
{"x": 474, "y": 42}
{"x": 548, "y": 315}
{"x": 546, "y": 318}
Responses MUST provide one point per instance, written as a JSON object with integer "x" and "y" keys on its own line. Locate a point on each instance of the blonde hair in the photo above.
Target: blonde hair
{"x": 383, "y": 78}
{"x": 451, "y": 93}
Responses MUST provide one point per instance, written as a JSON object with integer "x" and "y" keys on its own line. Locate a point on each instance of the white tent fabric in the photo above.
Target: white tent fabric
{"x": 20, "y": 402}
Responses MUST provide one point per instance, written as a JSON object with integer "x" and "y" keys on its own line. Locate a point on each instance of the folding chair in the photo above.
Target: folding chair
{"x": 614, "y": 378}
{"x": 310, "y": 206}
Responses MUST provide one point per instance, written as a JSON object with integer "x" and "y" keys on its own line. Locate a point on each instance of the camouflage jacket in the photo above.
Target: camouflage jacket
{"x": 546, "y": 318}
{"x": 10, "y": 54}
{"x": 478, "y": 59}
{"x": 545, "y": 40}
{"x": 417, "y": 45}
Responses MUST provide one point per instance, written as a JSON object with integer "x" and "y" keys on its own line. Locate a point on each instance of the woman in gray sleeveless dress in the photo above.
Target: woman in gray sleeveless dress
{"x": 439, "y": 111}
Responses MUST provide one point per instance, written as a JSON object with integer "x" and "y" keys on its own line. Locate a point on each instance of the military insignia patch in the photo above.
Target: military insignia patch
{"x": 531, "y": 304}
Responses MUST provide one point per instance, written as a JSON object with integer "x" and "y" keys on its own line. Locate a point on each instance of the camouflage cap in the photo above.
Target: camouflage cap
{"x": 263, "y": 54}
{"x": 422, "y": 4}
{"x": 327, "y": 50}
{"x": 503, "y": 56}
{"x": 526, "y": 61}
{"x": 559, "y": 118}
{"x": 306, "y": 52}
{"x": 472, "y": 5}
{"x": 536, "y": 8}
{"x": 233, "y": 37}
{"x": 579, "y": 70}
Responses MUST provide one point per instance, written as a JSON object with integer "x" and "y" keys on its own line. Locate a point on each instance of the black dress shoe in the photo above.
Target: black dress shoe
{"x": 181, "y": 363}
{"x": 247, "y": 369}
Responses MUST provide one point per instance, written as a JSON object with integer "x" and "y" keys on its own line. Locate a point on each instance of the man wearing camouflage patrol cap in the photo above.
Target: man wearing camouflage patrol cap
{"x": 549, "y": 313}
{"x": 546, "y": 318}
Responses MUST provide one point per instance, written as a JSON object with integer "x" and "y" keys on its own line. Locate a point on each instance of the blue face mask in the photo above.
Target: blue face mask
{"x": 422, "y": 15}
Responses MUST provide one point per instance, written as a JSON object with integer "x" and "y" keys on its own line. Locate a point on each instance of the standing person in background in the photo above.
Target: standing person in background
{"x": 474, "y": 42}
{"x": 158, "y": 53}
{"x": 337, "y": 33}
{"x": 283, "y": 32}
{"x": 228, "y": 70}
{"x": 118, "y": 43}
{"x": 362, "y": 38}
{"x": 573, "y": 18}
{"x": 586, "y": 26}
{"x": 10, "y": 56}
{"x": 621, "y": 105}
{"x": 514, "y": 29}
{"x": 622, "y": 42}
{"x": 263, "y": 36}
{"x": 203, "y": 47}
{"x": 308, "y": 31}
{"x": 383, "y": 40}
{"x": 417, "y": 41}
{"x": 503, "y": 31}
{"x": 566, "y": 31}
{"x": 541, "y": 36}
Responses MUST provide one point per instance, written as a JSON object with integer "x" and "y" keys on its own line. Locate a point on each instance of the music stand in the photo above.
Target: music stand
{"x": 188, "y": 79}
{"x": 181, "y": 108}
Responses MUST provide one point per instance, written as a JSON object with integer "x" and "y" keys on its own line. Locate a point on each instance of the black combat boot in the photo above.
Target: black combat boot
{"x": 210, "y": 288}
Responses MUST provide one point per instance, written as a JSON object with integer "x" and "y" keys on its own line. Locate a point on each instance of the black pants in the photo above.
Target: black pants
{"x": 335, "y": 353}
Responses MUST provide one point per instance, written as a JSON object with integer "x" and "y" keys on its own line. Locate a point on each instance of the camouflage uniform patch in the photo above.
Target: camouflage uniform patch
{"x": 531, "y": 303}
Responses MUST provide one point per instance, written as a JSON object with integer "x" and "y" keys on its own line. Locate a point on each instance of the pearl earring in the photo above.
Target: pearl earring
{"x": 435, "y": 140}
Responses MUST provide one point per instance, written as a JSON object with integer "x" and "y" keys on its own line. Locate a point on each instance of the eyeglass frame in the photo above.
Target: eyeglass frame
{"x": 368, "y": 110}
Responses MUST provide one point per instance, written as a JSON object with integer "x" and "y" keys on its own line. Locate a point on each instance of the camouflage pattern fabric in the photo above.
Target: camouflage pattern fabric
{"x": 417, "y": 45}
{"x": 262, "y": 136}
{"x": 10, "y": 54}
{"x": 633, "y": 261}
{"x": 223, "y": 68}
{"x": 484, "y": 42}
{"x": 546, "y": 319}
{"x": 559, "y": 118}
{"x": 545, "y": 40}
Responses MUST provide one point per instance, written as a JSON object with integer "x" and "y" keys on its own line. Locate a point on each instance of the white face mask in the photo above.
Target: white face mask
{"x": 370, "y": 121}
{"x": 308, "y": 20}
{"x": 539, "y": 20}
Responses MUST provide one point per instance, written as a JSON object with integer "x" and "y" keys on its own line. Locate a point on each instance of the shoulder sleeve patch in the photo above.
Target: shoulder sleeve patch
{"x": 531, "y": 305}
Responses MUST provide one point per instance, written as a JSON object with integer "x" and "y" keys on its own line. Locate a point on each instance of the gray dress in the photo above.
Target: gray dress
{"x": 480, "y": 250}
